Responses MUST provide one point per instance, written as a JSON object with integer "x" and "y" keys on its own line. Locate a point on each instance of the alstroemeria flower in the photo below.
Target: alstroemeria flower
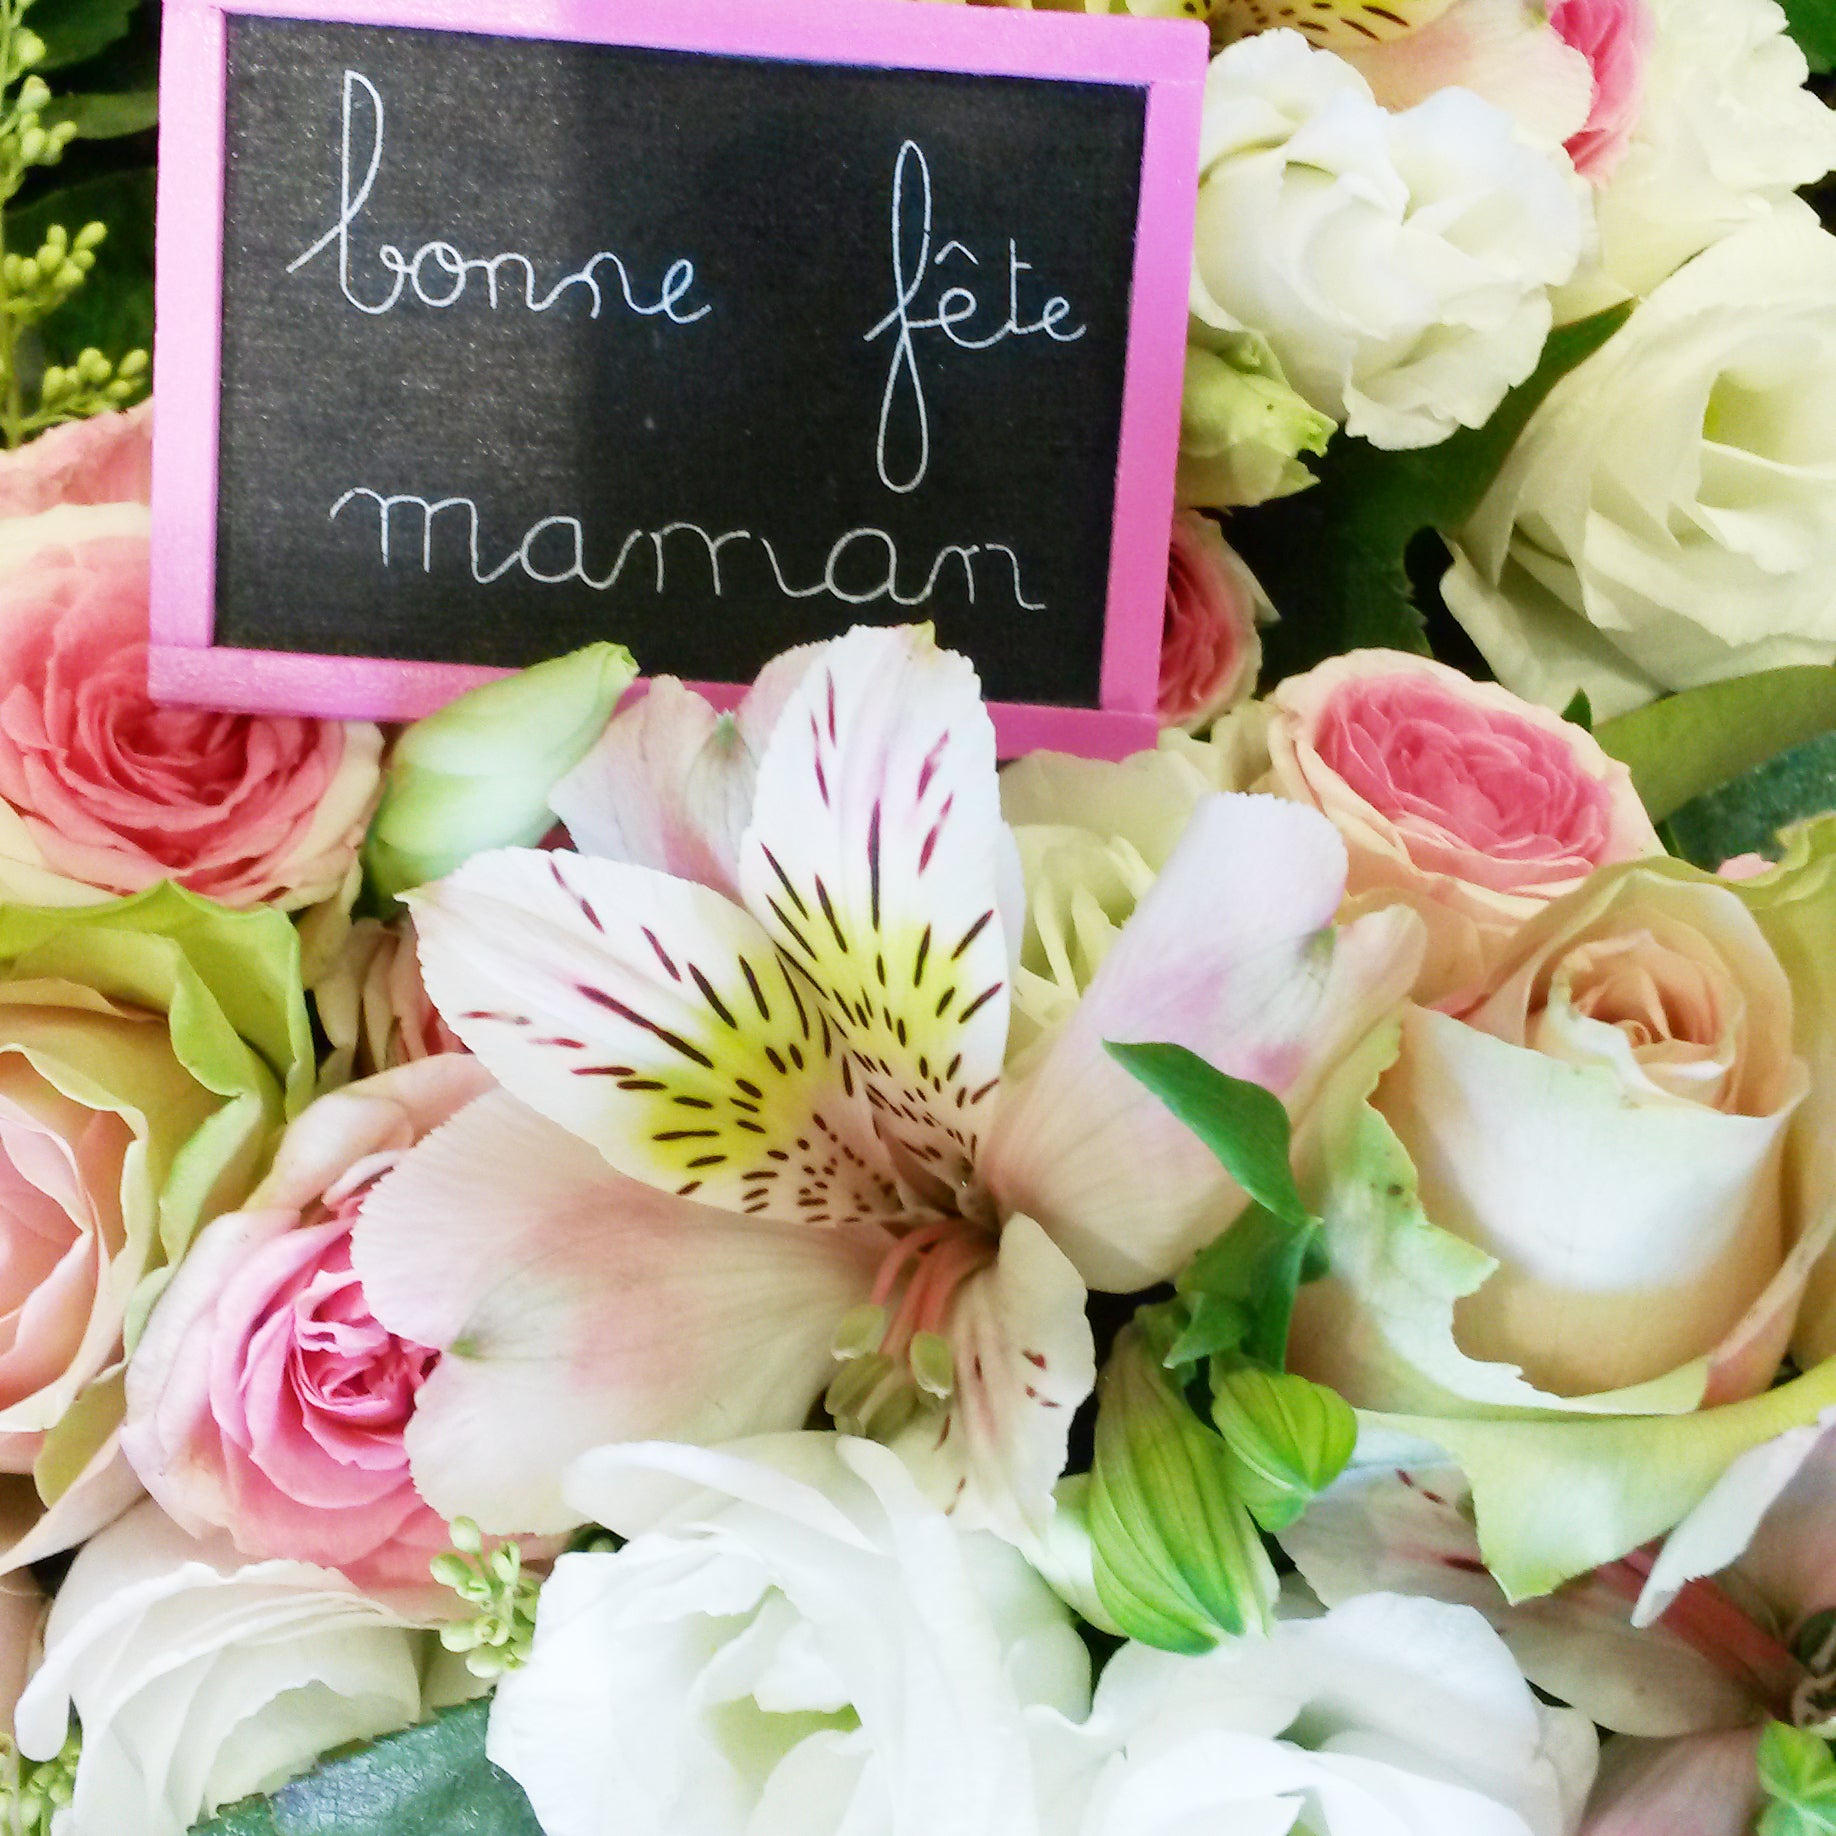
{"x": 742, "y": 1139}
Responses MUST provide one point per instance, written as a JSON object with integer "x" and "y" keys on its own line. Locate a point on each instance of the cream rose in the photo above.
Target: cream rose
{"x": 1666, "y": 517}
{"x": 279, "y": 1662}
{"x": 1606, "y": 1221}
{"x": 1398, "y": 265}
{"x": 1453, "y": 796}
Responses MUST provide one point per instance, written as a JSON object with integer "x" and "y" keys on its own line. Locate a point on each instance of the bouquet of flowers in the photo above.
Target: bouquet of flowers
{"x": 597, "y": 1267}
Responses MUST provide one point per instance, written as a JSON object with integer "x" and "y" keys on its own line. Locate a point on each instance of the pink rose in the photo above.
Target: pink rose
{"x": 1453, "y": 796}
{"x": 107, "y": 459}
{"x": 1615, "y": 36}
{"x": 1210, "y": 652}
{"x": 106, "y": 792}
{"x": 265, "y": 1399}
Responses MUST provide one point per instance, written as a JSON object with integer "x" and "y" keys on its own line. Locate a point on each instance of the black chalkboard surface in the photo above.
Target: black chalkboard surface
{"x": 527, "y": 342}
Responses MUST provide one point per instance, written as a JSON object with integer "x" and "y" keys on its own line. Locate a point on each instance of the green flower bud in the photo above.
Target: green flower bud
{"x": 1287, "y": 1438}
{"x": 1176, "y": 1559}
{"x": 478, "y": 773}
{"x": 1242, "y": 428}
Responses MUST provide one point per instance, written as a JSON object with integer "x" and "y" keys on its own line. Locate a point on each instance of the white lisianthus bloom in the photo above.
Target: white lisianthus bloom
{"x": 1387, "y": 1714}
{"x": 1667, "y": 516}
{"x": 1726, "y": 133}
{"x": 200, "y": 1677}
{"x": 794, "y": 1642}
{"x": 1398, "y": 265}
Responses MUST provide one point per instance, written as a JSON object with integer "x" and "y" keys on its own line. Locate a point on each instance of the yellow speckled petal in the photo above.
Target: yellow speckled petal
{"x": 872, "y": 861}
{"x": 654, "y": 1019}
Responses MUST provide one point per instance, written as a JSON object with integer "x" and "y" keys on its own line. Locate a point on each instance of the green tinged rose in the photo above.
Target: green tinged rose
{"x": 478, "y": 774}
{"x": 150, "y": 1050}
{"x": 1242, "y": 429}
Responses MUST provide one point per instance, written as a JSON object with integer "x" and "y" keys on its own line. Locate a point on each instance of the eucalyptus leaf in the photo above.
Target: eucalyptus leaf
{"x": 1745, "y": 817}
{"x": 1694, "y": 742}
{"x": 430, "y": 1780}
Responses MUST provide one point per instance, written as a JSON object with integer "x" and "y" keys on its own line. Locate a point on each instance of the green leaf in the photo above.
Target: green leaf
{"x": 1240, "y": 1122}
{"x": 430, "y": 1780}
{"x": 1333, "y": 559}
{"x": 76, "y": 29}
{"x": 1691, "y": 743}
{"x": 1249, "y": 1273}
{"x": 1813, "y": 25}
{"x": 1580, "y": 711}
{"x": 113, "y": 309}
{"x": 1745, "y": 817}
{"x": 106, "y": 117}
{"x": 1797, "y": 1773}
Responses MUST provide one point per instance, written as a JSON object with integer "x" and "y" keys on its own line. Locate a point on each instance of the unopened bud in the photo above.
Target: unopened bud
{"x": 1288, "y": 1439}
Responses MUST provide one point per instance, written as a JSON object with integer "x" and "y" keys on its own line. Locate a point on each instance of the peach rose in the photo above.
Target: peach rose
{"x": 373, "y": 1005}
{"x": 1210, "y": 651}
{"x": 265, "y": 1399}
{"x": 1454, "y": 797}
{"x": 106, "y": 792}
{"x": 107, "y": 459}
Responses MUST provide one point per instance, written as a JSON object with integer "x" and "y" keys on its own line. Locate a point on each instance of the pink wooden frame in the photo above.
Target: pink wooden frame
{"x": 1165, "y": 57}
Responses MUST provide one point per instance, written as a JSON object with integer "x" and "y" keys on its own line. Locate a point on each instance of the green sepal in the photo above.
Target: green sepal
{"x": 1176, "y": 1559}
{"x": 1797, "y": 1773}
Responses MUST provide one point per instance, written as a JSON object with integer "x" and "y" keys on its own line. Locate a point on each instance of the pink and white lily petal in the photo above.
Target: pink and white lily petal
{"x": 1025, "y": 1361}
{"x": 875, "y": 861}
{"x": 656, "y": 1020}
{"x": 670, "y": 782}
{"x": 1703, "y": 1784}
{"x": 1232, "y": 954}
{"x": 575, "y": 1307}
{"x": 1410, "y": 1531}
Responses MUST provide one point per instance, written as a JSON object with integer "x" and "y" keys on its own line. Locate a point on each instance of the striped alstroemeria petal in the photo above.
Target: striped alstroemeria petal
{"x": 655, "y": 1020}
{"x": 873, "y": 861}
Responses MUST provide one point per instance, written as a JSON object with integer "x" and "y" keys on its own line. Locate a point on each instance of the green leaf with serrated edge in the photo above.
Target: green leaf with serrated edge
{"x": 1696, "y": 741}
{"x": 1333, "y": 559}
{"x": 430, "y": 1780}
{"x": 1813, "y": 25}
{"x": 1243, "y": 1124}
{"x": 77, "y": 29}
{"x": 1745, "y": 817}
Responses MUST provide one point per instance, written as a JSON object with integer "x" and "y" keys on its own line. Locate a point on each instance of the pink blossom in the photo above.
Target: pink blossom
{"x": 1454, "y": 796}
{"x": 1210, "y": 652}
{"x": 107, "y": 792}
{"x": 265, "y": 1399}
{"x": 107, "y": 459}
{"x": 1615, "y": 36}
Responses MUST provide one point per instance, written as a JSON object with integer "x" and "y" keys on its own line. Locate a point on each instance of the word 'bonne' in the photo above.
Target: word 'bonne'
{"x": 438, "y": 273}
{"x": 861, "y": 566}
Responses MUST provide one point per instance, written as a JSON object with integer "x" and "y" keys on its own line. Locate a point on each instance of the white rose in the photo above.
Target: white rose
{"x": 1726, "y": 132}
{"x": 1387, "y": 1714}
{"x": 199, "y": 1677}
{"x": 1398, "y": 265}
{"x": 799, "y": 1643}
{"x": 1666, "y": 518}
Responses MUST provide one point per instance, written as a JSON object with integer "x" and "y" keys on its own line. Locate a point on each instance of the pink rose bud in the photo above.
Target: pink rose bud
{"x": 1454, "y": 796}
{"x": 1210, "y": 652}
{"x": 1615, "y": 36}
{"x": 265, "y": 1399}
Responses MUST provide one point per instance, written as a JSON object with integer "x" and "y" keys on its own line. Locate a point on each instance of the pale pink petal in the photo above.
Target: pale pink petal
{"x": 654, "y": 1019}
{"x": 874, "y": 861}
{"x": 1790, "y": 1559}
{"x": 1233, "y": 955}
{"x": 1025, "y": 1362}
{"x": 1701, "y": 1785}
{"x": 576, "y": 1307}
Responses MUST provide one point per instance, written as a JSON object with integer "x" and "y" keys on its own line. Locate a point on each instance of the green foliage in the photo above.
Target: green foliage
{"x": 1798, "y": 1775}
{"x": 1745, "y": 817}
{"x": 431, "y": 1780}
{"x": 1813, "y": 25}
{"x": 1334, "y": 559}
{"x": 76, "y": 30}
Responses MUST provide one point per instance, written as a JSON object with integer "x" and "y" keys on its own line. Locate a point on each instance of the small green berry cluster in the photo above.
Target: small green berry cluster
{"x": 36, "y": 1790}
{"x": 497, "y": 1637}
{"x": 33, "y": 286}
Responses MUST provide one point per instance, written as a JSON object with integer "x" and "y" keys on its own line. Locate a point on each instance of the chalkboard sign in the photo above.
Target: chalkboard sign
{"x": 488, "y": 328}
